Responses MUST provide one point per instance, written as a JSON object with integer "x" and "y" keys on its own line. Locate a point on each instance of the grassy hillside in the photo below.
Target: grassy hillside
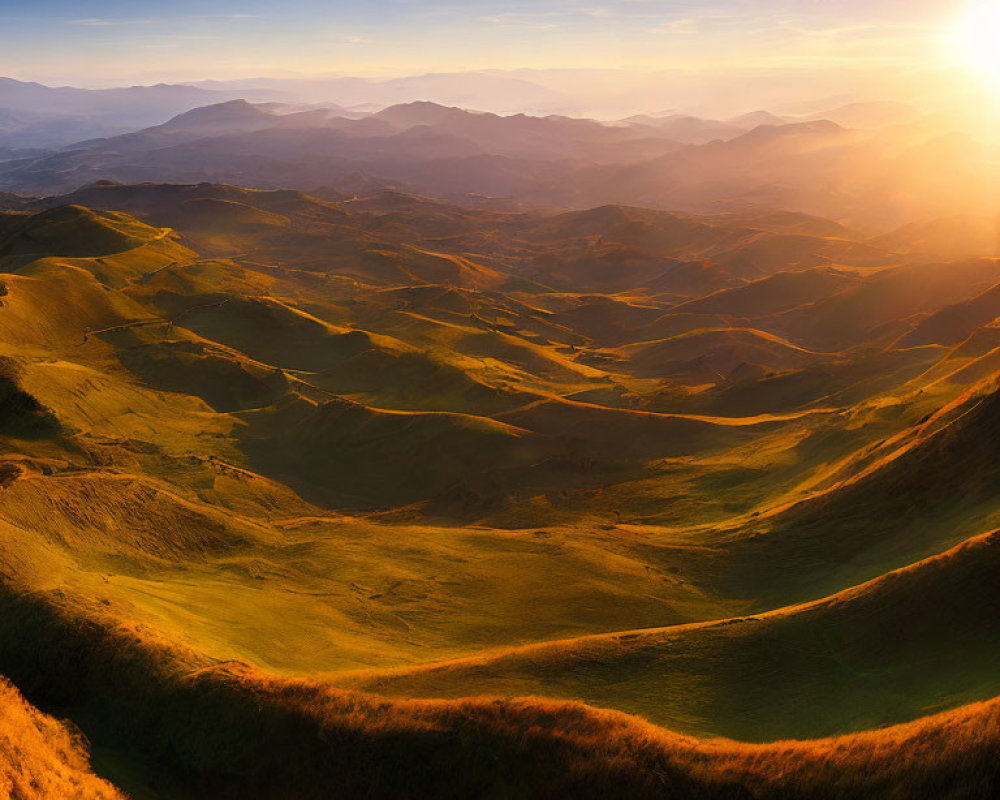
{"x": 260, "y": 452}
{"x": 857, "y": 660}
{"x": 229, "y": 732}
{"x": 42, "y": 759}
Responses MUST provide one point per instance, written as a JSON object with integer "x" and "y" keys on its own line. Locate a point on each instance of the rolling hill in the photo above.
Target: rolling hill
{"x": 387, "y": 496}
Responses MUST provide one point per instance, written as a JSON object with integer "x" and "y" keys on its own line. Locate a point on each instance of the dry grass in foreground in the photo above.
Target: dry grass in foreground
{"x": 42, "y": 759}
{"x": 231, "y": 732}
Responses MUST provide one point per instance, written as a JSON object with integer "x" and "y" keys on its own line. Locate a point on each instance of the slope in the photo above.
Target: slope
{"x": 857, "y": 660}
{"x": 41, "y": 758}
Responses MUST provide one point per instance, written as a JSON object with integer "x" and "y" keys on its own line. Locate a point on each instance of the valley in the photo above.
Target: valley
{"x": 420, "y": 478}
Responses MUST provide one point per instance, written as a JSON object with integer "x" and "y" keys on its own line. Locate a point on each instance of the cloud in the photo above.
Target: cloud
{"x": 104, "y": 22}
{"x": 686, "y": 26}
{"x": 435, "y": 35}
{"x": 544, "y": 20}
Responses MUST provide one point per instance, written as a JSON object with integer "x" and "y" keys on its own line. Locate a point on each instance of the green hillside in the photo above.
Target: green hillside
{"x": 272, "y": 467}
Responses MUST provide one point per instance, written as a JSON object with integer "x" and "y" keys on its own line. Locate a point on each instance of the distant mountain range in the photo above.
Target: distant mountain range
{"x": 876, "y": 174}
{"x": 33, "y": 115}
{"x": 36, "y": 116}
{"x": 494, "y": 92}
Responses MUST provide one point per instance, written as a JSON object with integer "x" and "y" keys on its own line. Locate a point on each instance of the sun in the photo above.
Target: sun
{"x": 978, "y": 40}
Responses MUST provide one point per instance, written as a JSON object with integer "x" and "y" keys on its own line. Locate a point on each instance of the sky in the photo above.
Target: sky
{"x": 114, "y": 42}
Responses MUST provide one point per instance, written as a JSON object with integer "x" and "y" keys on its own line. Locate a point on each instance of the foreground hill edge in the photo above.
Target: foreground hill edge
{"x": 41, "y": 757}
{"x": 229, "y": 731}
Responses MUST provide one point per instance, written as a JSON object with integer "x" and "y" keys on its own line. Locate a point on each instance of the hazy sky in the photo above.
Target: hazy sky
{"x": 114, "y": 41}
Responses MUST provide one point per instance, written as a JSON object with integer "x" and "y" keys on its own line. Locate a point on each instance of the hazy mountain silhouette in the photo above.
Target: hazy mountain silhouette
{"x": 33, "y": 115}
{"x": 875, "y": 179}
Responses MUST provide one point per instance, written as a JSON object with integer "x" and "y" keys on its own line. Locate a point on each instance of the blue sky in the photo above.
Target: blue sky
{"x": 113, "y": 41}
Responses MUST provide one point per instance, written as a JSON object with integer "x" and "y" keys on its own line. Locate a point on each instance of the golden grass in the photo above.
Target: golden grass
{"x": 857, "y": 660}
{"x": 229, "y": 731}
{"x": 134, "y": 527}
{"x": 41, "y": 758}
